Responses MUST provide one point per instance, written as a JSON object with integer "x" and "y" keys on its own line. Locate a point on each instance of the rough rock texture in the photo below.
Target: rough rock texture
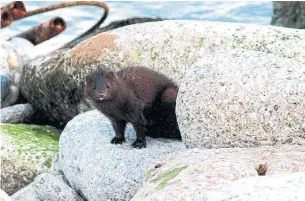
{"x": 191, "y": 174}
{"x": 13, "y": 53}
{"x": 242, "y": 99}
{"x": 99, "y": 170}
{"x": 54, "y": 83}
{"x": 26, "y": 150}
{"x": 16, "y": 113}
{"x": 46, "y": 187}
{"x": 289, "y": 14}
{"x": 281, "y": 187}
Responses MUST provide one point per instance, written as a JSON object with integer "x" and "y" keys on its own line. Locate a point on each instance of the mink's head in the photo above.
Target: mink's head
{"x": 101, "y": 85}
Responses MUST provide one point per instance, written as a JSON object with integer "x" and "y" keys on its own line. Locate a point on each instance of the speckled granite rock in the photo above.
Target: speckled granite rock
{"x": 192, "y": 174}
{"x": 281, "y": 187}
{"x": 99, "y": 170}
{"x": 27, "y": 151}
{"x": 54, "y": 83}
{"x": 17, "y": 113}
{"x": 289, "y": 14}
{"x": 46, "y": 187}
{"x": 242, "y": 99}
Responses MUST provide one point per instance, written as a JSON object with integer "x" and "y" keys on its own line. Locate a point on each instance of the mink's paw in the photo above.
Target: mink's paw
{"x": 117, "y": 140}
{"x": 139, "y": 144}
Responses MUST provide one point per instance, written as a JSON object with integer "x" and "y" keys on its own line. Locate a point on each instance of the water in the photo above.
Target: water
{"x": 81, "y": 18}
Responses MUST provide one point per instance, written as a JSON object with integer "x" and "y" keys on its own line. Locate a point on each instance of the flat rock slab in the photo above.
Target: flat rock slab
{"x": 192, "y": 174}
{"x": 53, "y": 83}
{"x": 99, "y": 170}
{"x": 27, "y": 151}
{"x": 48, "y": 188}
{"x": 242, "y": 98}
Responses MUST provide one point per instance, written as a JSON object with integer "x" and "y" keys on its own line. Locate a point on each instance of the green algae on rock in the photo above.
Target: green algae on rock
{"x": 28, "y": 151}
{"x": 167, "y": 176}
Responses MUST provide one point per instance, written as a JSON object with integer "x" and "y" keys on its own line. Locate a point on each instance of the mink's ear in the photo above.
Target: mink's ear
{"x": 111, "y": 76}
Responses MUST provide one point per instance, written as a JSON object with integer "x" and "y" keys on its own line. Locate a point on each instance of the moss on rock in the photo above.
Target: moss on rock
{"x": 31, "y": 141}
{"x": 29, "y": 148}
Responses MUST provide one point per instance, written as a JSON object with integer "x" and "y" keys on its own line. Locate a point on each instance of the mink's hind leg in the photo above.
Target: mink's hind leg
{"x": 136, "y": 117}
{"x": 139, "y": 126}
{"x": 168, "y": 121}
{"x": 119, "y": 128}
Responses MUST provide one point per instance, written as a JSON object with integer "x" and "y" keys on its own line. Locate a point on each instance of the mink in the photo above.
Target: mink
{"x": 138, "y": 95}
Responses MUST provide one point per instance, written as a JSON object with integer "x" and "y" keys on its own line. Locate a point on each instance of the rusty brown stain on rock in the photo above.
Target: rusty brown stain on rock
{"x": 92, "y": 49}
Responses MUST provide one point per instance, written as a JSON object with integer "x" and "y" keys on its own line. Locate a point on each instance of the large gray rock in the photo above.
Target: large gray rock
{"x": 54, "y": 83}
{"x": 281, "y": 187}
{"x": 46, "y": 187}
{"x": 26, "y": 151}
{"x": 242, "y": 99}
{"x": 17, "y": 113}
{"x": 194, "y": 174}
{"x": 99, "y": 170}
{"x": 289, "y": 14}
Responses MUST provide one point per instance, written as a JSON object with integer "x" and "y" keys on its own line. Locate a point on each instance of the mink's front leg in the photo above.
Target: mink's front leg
{"x": 119, "y": 128}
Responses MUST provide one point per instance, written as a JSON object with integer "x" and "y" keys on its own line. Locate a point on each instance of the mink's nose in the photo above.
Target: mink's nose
{"x": 102, "y": 95}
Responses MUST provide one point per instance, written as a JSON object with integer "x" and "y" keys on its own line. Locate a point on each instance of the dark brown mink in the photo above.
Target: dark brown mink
{"x": 143, "y": 97}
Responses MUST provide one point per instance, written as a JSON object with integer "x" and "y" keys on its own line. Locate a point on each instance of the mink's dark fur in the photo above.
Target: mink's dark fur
{"x": 143, "y": 97}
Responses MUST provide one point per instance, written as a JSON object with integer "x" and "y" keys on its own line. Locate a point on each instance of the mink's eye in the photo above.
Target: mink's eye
{"x": 107, "y": 84}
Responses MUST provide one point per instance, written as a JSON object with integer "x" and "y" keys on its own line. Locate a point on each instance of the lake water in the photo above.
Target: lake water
{"x": 81, "y": 18}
